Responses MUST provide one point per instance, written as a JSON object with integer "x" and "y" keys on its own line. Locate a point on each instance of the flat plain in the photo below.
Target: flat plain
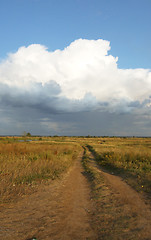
{"x": 75, "y": 188}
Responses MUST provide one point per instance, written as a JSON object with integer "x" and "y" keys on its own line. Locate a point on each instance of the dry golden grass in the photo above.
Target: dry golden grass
{"x": 130, "y": 157}
{"x": 118, "y": 209}
{"x": 24, "y": 165}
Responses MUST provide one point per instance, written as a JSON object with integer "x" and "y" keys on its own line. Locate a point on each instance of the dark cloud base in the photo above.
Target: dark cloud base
{"x": 75, "y": 91}
{"x": 74, "y": 124}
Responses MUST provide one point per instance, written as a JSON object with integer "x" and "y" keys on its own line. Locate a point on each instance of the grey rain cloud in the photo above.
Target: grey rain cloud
{"x": 36, "y": 83}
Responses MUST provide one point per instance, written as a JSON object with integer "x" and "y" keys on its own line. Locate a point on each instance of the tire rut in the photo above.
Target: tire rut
{"x": 58, "y": 212}
{"x": 128, "y": 202}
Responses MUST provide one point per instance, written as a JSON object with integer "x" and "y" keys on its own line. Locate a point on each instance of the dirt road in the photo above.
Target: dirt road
{"x": 59, "y": 211}
{"x": 122, "y": 213}
{"x": 64, "y": 210}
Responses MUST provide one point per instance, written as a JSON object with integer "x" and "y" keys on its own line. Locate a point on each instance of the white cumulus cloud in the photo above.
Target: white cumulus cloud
{"x": 83, "y": 76}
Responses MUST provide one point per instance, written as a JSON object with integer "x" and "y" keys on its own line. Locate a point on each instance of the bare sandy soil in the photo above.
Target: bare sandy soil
{"x": 64, "y": 210}
{"x": 58, "y": 211}
{"x": 133, "y": 202}
{"x": 121, "y": 212}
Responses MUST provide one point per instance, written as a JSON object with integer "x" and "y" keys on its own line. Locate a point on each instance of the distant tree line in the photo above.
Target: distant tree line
{"x": 26, "y": 134}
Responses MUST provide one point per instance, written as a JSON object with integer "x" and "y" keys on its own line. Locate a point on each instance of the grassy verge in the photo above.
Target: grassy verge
{"x": 23, "y": 166}
{"x": 108, "y": 219}
{"x": 133, "y": 164}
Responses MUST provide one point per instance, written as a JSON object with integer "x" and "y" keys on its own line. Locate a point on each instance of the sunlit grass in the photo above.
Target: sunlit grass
{"x": 129, "y": 156}
{"x": 24, "y": 165}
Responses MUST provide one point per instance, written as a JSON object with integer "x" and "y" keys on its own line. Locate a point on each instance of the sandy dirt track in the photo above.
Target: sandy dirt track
{"x": 123, "y": 203}
{"x": 58, "y": 211}
{"x": 64, "y": 210}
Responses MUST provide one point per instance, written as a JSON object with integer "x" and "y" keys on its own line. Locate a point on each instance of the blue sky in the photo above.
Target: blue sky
{"x": 82, "y": 88}
{"x": 56, "y": 23}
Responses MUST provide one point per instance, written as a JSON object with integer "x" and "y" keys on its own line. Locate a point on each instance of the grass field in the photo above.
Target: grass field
{"x": 25, "y": 164}
{"x": 128, "y": 157}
